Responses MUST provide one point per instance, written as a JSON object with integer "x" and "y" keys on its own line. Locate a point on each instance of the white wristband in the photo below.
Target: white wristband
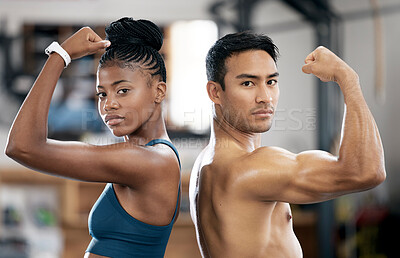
{"x": 55, "y": 47}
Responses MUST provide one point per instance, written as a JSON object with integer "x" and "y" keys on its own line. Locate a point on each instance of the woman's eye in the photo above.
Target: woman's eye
{"x": 101, "y": 95}
{"x": 272, "y": 82}
{"x": 247, "y": 83}
{"x": 122, "y": 91}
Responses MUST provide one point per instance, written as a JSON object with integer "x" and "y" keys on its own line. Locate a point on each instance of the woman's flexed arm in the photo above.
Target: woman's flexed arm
{"x": 28, "y": 133}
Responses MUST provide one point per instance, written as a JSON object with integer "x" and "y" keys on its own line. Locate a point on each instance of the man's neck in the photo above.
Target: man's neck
{"x": 221, "y": 131}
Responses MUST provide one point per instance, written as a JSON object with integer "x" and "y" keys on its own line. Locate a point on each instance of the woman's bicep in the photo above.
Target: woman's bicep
{"x": 114, "y": 163}
{"x": 75, "y": 160}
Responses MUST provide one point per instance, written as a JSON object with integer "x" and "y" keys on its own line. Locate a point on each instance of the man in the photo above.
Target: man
{"x": 239, "y": 191}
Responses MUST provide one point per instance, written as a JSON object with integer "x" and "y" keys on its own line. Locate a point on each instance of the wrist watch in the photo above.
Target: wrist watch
{"x": 55, "y": 47}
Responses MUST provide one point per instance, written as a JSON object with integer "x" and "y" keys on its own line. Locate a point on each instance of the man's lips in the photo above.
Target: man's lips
{"x": 263, "y": 112}
{"x": 113, "y": 119}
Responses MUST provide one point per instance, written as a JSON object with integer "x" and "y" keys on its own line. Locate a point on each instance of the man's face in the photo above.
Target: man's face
{"x": 251, "y": 91}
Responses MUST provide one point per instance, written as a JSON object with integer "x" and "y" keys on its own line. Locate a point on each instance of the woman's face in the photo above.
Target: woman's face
{"x": 126, "y": 98}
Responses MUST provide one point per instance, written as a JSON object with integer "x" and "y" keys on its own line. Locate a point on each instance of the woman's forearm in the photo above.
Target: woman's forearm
{"x": 29, "y": 130}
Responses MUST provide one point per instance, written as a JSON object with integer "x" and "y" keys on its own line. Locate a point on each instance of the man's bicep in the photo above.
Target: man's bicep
{"x": 278, "y": 175}
{"x": 317, "y": 177}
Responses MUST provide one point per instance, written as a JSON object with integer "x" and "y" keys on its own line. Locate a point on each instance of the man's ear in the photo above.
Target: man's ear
{"x": 214, "y": 91}
{"x": 161, "y": 89}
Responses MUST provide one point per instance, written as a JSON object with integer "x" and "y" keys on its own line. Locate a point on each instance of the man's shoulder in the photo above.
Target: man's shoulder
{"x": 262, "y": 159}
{"x": 269, "y": 150}
{"x": 228, "y": 162}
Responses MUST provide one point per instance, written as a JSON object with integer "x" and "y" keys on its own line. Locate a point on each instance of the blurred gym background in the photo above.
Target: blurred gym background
{"x": 44, "y": 216}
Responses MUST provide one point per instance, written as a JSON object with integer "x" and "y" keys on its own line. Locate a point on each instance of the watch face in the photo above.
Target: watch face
{"x": 50, "y": 48}
{"x": 55, "y": 47}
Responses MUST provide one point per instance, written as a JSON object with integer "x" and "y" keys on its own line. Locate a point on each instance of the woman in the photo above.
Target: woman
{"x": 134, "y": 215}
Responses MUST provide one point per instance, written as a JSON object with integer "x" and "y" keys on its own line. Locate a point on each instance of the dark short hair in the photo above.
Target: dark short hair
{"x": 232, "y": 44}
{"x": 135, "y": 41}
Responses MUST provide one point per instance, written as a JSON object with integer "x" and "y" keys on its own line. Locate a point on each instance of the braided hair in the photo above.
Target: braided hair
{"x": 135, "y": 41}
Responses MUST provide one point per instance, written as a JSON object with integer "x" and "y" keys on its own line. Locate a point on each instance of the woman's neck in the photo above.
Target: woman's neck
{"x": 154, "y": 128}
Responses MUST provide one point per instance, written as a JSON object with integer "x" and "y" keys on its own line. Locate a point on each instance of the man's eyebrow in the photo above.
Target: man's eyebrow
{"x": 273, "y": 75}
{"x": 252, "y": 76}
{"x": 114, "y": 83}
{"x": 245, "y": 75}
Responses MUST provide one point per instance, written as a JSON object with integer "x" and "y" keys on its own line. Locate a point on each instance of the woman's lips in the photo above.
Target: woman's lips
{"x": 112, "y": 120}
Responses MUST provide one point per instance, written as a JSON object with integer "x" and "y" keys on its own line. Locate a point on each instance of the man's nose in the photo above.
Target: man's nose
{"x": 263, "y": 95}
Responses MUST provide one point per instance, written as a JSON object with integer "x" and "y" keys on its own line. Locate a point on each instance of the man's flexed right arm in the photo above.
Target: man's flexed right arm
{"x": 361, "y": 148}
{"x": 275, "y": 174}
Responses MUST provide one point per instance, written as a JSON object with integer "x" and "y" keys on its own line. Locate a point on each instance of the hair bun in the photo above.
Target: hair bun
{"x": 127, "y": 31}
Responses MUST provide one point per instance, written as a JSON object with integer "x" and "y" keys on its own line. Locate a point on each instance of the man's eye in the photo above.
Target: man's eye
{"x": 247, "y": 83}
{"x": 272, "y": 82}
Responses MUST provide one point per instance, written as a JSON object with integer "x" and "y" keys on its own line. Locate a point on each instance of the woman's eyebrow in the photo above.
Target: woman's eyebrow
{"x": 118, "y": 82}
{"x": 114, "y": 83}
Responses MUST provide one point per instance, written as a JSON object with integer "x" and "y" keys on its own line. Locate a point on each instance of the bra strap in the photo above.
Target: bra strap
{"x": 162, "y": 141}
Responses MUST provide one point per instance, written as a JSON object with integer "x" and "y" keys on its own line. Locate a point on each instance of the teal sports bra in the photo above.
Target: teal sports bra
{"x": 117, "y": 234}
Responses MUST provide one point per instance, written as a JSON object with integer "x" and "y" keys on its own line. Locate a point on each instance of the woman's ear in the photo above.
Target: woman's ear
{"x": 214, "y": 91}
{"x": 161, "y": 89}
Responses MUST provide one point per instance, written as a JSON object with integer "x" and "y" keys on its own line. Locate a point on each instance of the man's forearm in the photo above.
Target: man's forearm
{"x": 361, "y": 148}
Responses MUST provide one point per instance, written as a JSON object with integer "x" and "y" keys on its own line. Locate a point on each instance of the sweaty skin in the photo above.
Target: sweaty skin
{"x": 240, "y": 192}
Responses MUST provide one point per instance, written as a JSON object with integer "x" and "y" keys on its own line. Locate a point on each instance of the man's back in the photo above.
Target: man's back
{"x": 229, "y": 222}
{"x": 239, "y": 191}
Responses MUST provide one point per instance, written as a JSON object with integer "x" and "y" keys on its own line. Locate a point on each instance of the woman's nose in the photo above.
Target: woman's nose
{"x": 110, "y": 104}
